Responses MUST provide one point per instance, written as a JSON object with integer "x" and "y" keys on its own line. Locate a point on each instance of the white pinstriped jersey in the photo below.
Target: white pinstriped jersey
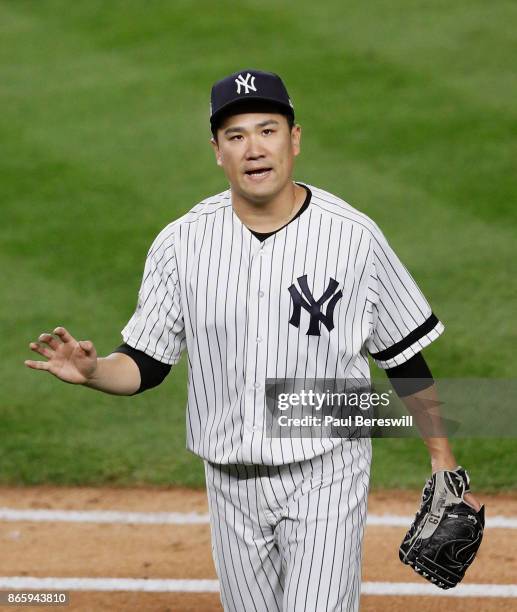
{"x": 311, "y": 301}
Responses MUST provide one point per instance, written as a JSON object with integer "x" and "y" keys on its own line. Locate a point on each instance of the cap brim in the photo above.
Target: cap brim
{"x": 242, "y": 102}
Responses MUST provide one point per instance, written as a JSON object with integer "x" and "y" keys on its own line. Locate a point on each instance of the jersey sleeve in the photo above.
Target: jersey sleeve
{"x": 156, "y": 327}
{"x": 402, "y": 320}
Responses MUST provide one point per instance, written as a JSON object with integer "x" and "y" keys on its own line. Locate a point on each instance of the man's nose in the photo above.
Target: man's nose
{"x": 254, "y": 150}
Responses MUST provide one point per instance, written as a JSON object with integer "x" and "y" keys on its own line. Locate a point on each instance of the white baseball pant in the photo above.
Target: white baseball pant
{"x": 288, "y": 538}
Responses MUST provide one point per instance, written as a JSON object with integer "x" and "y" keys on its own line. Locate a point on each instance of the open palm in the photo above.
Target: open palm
{"x": 69, "y": 360}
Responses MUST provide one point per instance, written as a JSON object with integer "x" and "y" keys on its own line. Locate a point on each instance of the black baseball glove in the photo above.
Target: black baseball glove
{"x": 446, "y": 532}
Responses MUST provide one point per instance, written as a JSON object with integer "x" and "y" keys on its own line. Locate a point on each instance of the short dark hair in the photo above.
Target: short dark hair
{"x": 255, "y": 106}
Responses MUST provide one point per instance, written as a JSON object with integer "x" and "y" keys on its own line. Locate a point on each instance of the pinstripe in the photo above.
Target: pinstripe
{"x": 355, "y": 327}
{"x": 189, "y": 324}
{"x": 299, "y": 558}
{"x": 289, "y": 330}
{"x": 306, "y": 348}
{"x": 316, "y": 360}
{"x": 317, "y": 514}
{"x": 277, "y": 374}
{"x": 339, "y": 361}
{"x": 237, "y": 391}
{"x": 244, "y": 514}
{"x": 323, "y": 546}
{"x": 255, "y": 377}
{"x": 271, "y": 472}
{"x": 222, "y": 424}
{"x": 325, "y": 369}
{"x": 268, "y": 320}
{"x": 201, "y": 379}
{"x": 347, "y": 562}
{"x": 227, "y": 590}
{"x": 204, "y": 332}
{"x": 335, "y": 539}
{"x": 269, "y": 552}
{"x": 246, "y": 320}
{"x": 348, "y": 329}
{"x": 229, "y": 412}
{"x": 194, "y": 409}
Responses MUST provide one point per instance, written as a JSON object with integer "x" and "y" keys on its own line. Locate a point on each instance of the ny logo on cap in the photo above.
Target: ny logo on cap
{"x": 244, "y": 82}
{"x": 313, "y": 307}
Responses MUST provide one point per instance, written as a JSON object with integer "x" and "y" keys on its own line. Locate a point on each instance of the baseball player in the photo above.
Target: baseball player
{"x": 270, "y": 279}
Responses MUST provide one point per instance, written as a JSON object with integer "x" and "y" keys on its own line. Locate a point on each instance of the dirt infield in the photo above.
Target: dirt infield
{"x": 158, "y": 551}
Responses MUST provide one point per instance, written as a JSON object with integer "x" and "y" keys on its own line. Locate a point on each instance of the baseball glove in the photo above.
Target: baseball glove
{"x": 446, "y": 532}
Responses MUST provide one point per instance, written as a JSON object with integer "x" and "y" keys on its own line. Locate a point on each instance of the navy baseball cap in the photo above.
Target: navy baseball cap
{"x": 241, "y": 88}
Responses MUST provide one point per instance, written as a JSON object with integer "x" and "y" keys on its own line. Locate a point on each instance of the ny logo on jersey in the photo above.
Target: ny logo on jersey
{"x": 245, "y": 82}
{"x": 313, "y": 307}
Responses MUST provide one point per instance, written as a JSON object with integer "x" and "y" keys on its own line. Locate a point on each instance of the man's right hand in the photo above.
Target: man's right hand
{"x": 69, "y": 360}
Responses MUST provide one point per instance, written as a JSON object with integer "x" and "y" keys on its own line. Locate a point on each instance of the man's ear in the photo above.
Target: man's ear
{"x": 296, "y": 136}
{"x": 217, "y": 151}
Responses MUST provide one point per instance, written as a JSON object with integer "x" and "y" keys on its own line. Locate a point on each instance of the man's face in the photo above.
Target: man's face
{"x": 257, "y": 151}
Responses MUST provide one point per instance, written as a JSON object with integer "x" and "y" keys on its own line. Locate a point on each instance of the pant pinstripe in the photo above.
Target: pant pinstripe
{"x": 289, "y": 538}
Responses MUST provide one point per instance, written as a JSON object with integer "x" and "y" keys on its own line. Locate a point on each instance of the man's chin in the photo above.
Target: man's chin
{"x": 259, "y": 192}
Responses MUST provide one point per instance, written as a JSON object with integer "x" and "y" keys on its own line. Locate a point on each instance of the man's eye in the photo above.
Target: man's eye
{"x": 236, "y": 137}
{"x": 267, "y": 131}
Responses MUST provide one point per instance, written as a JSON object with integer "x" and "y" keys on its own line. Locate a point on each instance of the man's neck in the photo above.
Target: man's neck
{"x": 270, "y": 215}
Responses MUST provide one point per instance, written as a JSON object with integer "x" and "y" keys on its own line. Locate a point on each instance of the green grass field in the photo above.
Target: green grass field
{"x": 408, "y": 114}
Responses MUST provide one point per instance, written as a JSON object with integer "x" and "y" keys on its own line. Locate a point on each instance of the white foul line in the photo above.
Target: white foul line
{"x": 395, "y": 520}
{"x": 190, "y": 518}
{"x": 103, "y": 516}
{"x": 109, "y": 584}
{"x": 212, "y": 586}
{"x": 462, "y": 590}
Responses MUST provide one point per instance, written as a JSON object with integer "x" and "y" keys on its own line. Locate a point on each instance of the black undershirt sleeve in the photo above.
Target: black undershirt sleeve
{"x": 411, "y": 376}
{"x": 152, "y": 371}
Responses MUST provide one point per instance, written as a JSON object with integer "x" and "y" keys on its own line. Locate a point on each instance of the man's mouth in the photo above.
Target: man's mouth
{"x": 257, "y": 173}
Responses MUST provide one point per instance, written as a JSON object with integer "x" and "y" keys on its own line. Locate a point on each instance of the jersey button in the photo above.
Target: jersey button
{"x": 259, "y": 340}
{"x": 261, "y": 294}
{"x": 255, "y": 428}
{"x": 256, "y": 385}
